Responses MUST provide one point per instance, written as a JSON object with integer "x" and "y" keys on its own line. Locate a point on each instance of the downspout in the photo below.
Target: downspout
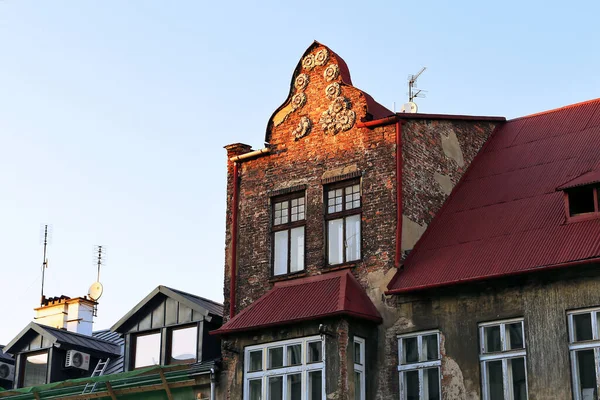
{"x": 387, "y": 121}
{"x": 212, "y": 384}
{"x": 234, "y": 223}
{"x": 398, "y": 257}
{"x": 234, "y": 231}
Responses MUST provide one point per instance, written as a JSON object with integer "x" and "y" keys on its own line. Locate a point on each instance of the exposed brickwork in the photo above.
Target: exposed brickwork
{"x": 321, "y": 156}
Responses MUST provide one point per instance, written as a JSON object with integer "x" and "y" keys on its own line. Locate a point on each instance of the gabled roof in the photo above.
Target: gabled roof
{"x": 505, "y": 216}
{"x": 64, "y": 338}
{"x": 334, "y": 293}
{"x": 587, "y": 178}
{"x": 204, "y": 306}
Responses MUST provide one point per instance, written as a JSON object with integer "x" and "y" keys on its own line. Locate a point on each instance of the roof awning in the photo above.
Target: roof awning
{"x": 335, "y": 293}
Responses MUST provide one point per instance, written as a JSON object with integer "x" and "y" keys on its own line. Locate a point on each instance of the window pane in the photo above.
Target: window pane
{"x": 353, "y": 238}
{"x": 35, "y": 370}
{"x": 314, "y": 352}
{"x": 581, "y": 200}
{"x": 294, "y": 387}
{"x": 275, "y": 388}
{"x": 492, "y": 339}
{"x": 411, "y": 385}
{"x": 430, "y": 348}
{"x": 357, "y": 386}
{"x": 357, "y": 355}
{"x": 275, "y": 357}
{"x": 517, "y": 366}
{"x": 431, "y": 386}
{"x": 410, "y": 351}
{"x": 336, "y": 241}
{"x": 256, "y": 360}
{"x": 315, "y": 385}
{"x": 297, "y": 249}
{"x": 256, "y": 389}
{"x": 184, "y": 344}
{"x": 582, "y": 323}
{"x": 514, "y": 333}
{"x": 281, "y": 253}
{"x": 294, "y": 354}
{"x": 495, "y": 383}
{"x": 587, "y": 374}
{"x": 147, "y": 350}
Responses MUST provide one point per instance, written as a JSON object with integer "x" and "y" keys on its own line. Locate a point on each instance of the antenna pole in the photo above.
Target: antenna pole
{"x": 411, "y": 83}
{"x": 44, "y": 262}
{"x": 99, "y": 262}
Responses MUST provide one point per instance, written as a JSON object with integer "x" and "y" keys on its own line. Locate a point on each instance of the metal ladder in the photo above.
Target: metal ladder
{"x": 98, "y": 371}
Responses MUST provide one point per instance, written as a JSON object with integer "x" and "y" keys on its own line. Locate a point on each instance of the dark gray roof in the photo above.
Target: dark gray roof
{"x": 206, "y": 366}
{"x": 116, "y": 363}
{"x": 71, "y": 339}
{"x": 212, "y": 306}
{"x": 206, "y": 307}
{"x": 5, "y": 357}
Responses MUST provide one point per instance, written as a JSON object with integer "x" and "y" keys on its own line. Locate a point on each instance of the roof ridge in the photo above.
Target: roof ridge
{"x": 46, "y": 327}
{"x": 195, "y": 295}
{"x": 556, "y": 109}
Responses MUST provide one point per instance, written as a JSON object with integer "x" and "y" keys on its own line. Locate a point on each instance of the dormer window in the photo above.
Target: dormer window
{"x": 582, "y": 202}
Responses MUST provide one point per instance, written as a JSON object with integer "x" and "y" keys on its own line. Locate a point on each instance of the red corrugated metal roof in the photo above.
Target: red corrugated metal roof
{"x": 585, "y": 179}
{"x": 334, "y": 293}
{"x": 505, "y": 216}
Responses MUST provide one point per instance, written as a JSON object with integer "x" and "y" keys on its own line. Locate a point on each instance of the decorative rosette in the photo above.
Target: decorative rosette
{"x": 331, "y": 72}
{"x": 308, "y": 62}
{"x": 333, "y": 90}
{"x": 298, "y": 100}
{"x": 303, "y": 128}
{"x": 321, "y": 57}
{"x": 344, "y": 120}
{"x": 301, "y": 82}
{"x": 338, "y": 117}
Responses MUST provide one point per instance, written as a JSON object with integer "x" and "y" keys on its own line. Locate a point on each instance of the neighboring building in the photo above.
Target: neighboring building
{"x": 160, "y": 349}
{"x": 317, "y": 223}
{"x": 507, "y": 277}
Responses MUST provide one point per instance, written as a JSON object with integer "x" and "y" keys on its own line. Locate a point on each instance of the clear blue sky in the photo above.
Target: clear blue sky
{"x": 114, "y": 114}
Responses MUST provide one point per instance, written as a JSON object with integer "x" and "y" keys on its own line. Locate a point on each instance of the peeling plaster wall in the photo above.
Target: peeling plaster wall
{"x": 542, "y": 300}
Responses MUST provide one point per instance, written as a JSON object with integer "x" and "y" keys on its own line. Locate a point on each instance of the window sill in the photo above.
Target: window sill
{"x": 583, "y": 217}
{"x": 335, "y": 267}
{"x": 285, "y": 277}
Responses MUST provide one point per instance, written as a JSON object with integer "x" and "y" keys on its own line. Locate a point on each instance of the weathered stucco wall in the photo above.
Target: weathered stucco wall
{"x": 542, "y": 300}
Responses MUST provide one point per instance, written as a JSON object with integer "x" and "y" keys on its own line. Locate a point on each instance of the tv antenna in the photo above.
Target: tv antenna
{"x": 96, "y": 289}
{"x": 44, "y": 261}
{"x": 412, "y": 85}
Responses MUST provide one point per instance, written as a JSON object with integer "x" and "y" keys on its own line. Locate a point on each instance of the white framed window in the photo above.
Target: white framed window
{"x": 419, "y": 365}
{"x": 286, "y": 370}
{"x": 584, "y": 346}
{"x": 288, "y": 231}
{"x": 503, "y": 360}
{"x": 359, "y": 368}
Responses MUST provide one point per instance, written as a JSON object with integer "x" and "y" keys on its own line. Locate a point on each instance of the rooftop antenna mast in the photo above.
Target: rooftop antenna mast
{"x": 412, "y": 84}
{"x": 99, "y": 262}
{"x": 44, "y": 263}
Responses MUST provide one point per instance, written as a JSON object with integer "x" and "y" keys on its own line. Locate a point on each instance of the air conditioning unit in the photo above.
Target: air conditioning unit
{"x": 77, "y": 359}
{"x": 7, "y": 371}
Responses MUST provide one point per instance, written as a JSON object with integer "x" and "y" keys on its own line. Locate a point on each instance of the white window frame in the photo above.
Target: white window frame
{"x": 574, "y": 346}
{"x": 304, "y": 368}
{"x": 419, "y": 366}
{"x": 504, "y": 355}
{"x": 360, "y": 367}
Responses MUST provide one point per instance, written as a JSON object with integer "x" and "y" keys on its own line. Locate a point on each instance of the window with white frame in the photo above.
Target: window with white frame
{"x": 419, "y": 365}
{"x": 343, "y": 219}
{"x": 288, "y": 228}
{"x": 287, "y": 370}
{"x": 584, "y": 346}
{"x": 503, "y": 360}
{"x": 359, "y": 368}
